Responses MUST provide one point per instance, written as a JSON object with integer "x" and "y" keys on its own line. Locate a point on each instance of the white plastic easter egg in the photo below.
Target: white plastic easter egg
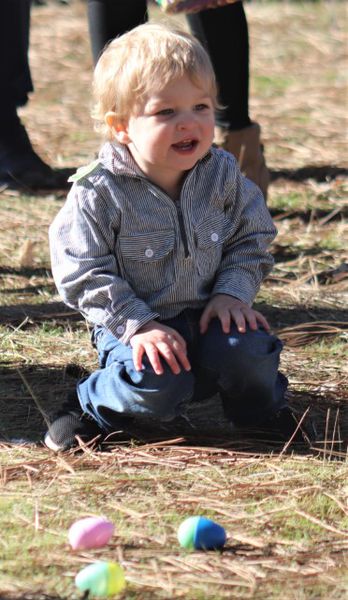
{"x": 91, "y": 532}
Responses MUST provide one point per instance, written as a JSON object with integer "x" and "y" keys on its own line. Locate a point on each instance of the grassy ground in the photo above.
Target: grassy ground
{"x": 285, "y": 512}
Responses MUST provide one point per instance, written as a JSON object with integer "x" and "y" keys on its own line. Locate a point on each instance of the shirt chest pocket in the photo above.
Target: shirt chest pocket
{"x": 209, "y": 235}
{"x": 147, "y": 260}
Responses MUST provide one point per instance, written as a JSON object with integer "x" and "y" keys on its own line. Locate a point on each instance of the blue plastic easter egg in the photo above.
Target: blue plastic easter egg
{"x": 101, "y": 579}
{"x": 200, "y": 533}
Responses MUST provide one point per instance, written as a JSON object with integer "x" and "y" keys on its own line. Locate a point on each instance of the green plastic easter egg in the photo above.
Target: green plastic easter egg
{"x": 101, "y": 579}
{"x": 201, "y": 533}
{"x": 187, "y": 531}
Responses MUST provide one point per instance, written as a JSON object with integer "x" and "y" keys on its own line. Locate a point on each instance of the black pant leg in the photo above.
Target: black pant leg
{"x": 15, "y": 79}
{"x": 108, "y": 19}
{"x": 223, "y": 32}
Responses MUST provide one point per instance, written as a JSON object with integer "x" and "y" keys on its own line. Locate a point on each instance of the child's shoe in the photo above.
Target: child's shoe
{"x": 70, "y": 422}
{"x": 283, "y": 427}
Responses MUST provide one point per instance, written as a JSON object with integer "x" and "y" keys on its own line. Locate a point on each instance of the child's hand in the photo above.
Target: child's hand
{"x": 155, "y": 340}
{"x": 228, "y": 309}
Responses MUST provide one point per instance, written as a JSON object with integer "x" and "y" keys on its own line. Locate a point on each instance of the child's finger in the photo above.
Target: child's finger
{"x": 169, "y": 356}
{"x": 172, "y": 354}
{"x": 182, "y": 356}
{"x": 262, "y": 320}
{"x": 180, "y": 340}
{"x": 251, "y": 319}
{"x": 138, "y": 352}
{"x": 204, "y": 320}
{"x": 225, "y": 320}
{"x": 154, "y": 359}
{"x": 239, "y": 320}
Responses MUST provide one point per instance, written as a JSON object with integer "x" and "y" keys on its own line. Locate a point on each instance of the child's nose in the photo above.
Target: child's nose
{"x": 186, "y": 121}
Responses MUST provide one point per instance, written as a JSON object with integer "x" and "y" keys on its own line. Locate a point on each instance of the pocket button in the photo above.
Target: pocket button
{"x": 214, "y": 237}
{"x": 149, "y": 252}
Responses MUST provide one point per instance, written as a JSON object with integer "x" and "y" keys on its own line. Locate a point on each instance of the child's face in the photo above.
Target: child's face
{"x": 170, "y": 131}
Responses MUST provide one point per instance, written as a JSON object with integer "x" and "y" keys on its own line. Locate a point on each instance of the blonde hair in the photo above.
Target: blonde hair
{"x": 146, "y": 58}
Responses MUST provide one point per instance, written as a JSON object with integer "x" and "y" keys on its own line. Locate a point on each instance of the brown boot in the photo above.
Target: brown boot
{"x": 245, "y": 145}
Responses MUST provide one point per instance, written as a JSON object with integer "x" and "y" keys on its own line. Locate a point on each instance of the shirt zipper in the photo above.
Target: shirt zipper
{"x": 182, "y": 229}
{"x": 177, "y": 205}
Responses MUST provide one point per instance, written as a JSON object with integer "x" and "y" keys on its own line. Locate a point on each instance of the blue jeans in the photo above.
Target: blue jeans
{"x": 242, "y": 367}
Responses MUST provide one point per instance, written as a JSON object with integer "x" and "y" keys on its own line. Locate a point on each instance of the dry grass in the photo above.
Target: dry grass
{"x": 286, "y": 520}
{"x": 285, "y": 513}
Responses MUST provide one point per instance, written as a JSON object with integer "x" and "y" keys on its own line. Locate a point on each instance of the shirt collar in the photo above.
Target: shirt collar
{"x": 117, "y": 159}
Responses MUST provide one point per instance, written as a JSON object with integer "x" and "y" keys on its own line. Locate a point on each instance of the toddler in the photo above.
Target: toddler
{"x": 162, "y": 245}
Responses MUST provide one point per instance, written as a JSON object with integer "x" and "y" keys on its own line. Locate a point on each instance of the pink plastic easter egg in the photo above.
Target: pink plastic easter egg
{"x": 92, "y": 532}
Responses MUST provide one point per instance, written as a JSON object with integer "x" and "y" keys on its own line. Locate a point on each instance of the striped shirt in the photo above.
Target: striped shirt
{"x": 124, "y": 253}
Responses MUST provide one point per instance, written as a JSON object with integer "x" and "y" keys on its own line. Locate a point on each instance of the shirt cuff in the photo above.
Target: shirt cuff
{"x": 239, "y": 288}
{"x": 127, "y": 322}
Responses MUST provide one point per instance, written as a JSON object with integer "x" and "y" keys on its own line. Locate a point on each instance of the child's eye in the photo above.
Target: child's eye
{"x": 165, "y": 112}
{"x": 200, "y": 107}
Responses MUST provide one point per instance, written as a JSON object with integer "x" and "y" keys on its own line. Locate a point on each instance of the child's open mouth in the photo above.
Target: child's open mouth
{"x": 185, "y": 146}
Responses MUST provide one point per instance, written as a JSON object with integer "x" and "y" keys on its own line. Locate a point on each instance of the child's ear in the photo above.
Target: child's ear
{"x": 119, "y": 129}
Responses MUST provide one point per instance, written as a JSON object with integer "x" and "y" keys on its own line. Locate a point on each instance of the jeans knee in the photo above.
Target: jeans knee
{"x": 164, "y": 395}
{"x": 135, "y": 394}
{"x": 251, "y": 362}
{"x": 254, "y": 352}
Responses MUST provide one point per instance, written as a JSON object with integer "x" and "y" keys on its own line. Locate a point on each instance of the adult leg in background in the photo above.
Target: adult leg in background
{"x": 20, "y": 166}
{"x": 109, "y": 18}
{"x": 223, "y": 31}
